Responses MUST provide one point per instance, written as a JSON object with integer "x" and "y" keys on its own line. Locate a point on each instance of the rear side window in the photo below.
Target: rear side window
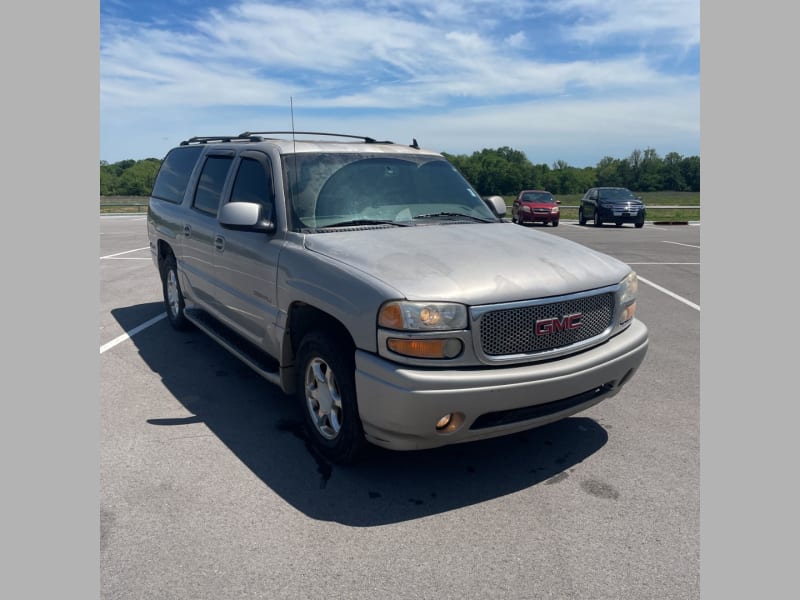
{"x": 212, "y": 179}
{"x": 173, "y": 176}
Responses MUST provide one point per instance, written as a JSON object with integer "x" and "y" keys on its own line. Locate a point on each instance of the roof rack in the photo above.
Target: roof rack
{"x": 220, "y": 138}
{"x": 366, "y": 139}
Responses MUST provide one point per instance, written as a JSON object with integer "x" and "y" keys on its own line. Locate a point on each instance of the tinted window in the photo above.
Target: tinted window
{"x": 209, "y": 188}
{"x": 253, "y": 184}
{"x": 173, "y": 176}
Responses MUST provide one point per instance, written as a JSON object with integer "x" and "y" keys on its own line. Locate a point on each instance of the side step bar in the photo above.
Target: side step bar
{"x": 260, "y": 362}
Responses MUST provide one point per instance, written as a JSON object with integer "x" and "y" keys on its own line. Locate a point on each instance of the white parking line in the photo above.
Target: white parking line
{"x": 679, "y": 244}
{"x": 126, "y": 252}
{"x": 663, "y": 263}
{"x": 129, "y": 334}
{"x": 668, "y": 293}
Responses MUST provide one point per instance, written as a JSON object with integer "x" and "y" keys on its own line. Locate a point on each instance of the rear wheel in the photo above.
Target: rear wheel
{"x": 173, "y": 296}
{"x": 326, "y": 392}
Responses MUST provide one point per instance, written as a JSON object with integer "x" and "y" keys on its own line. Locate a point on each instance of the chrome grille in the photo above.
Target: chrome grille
{"x": 512, "y": 331}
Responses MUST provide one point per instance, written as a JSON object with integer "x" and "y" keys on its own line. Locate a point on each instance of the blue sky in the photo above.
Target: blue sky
{"x": 571, "y": 80}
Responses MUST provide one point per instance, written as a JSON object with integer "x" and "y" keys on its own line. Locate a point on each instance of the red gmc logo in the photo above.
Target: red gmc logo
{"x": 548, "y": 326}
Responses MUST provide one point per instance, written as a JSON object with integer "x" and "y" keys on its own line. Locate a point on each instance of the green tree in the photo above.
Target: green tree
{"x": 650, "y": 168}
{"x": 609, "y": 173}
{"x": 672, "y": 178}
{"x": 690, "y": 169}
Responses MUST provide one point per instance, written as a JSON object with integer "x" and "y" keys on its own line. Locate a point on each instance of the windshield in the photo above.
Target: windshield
{"x": 338, "y": 189}
{"x": 541, "y": 197}
{"x": 616, "y": 194}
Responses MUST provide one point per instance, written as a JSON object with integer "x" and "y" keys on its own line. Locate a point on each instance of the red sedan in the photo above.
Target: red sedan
{"x": 533, "y": 206}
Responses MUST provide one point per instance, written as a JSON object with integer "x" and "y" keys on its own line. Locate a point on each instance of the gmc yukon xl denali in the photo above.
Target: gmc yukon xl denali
{"x": 369, "y": 280}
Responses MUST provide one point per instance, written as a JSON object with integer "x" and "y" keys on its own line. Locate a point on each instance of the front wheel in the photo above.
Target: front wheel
{"x": 173, "y": 296}
{"x": 639, "y": 225}
{"x": 581, "y": 218}
{"x": 326, "y": 392}
{"x": 555, "y": 223}
{"x": 597, "y": 221}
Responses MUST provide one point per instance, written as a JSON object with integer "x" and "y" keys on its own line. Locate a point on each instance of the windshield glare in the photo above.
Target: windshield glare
{"x": 325, "y": 189}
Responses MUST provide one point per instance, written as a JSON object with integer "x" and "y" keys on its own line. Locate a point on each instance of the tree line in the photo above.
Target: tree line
{"x": 502, "y": 171}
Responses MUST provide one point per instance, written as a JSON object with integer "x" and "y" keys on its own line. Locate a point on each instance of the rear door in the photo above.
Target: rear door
{"x": 200, "y": 228}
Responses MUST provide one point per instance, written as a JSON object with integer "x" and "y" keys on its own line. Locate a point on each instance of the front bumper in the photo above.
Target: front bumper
{"x": 619, "y": 215}
{"x": 399, "y": 405}
{"x": 524, "y": 217}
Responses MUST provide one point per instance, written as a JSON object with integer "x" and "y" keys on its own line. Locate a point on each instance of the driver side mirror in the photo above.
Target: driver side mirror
{"x": 497, "y": 205}
{"x": 246, "y": 216}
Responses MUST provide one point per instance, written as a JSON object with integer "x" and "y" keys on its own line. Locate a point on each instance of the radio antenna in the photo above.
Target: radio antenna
{"x": 294, "y": 149}
{"x": 291, "y": 109}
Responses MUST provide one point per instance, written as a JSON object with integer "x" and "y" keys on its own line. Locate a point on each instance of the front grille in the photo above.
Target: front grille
{"x": 513, "y": 330}
{"x": 624, "y": 206}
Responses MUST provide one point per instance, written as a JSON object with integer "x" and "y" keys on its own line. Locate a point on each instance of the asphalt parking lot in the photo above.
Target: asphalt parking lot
{"x": 208, "y": 490}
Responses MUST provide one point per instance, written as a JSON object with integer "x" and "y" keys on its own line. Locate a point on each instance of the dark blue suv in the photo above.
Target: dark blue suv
{"x": 616, "y": 205}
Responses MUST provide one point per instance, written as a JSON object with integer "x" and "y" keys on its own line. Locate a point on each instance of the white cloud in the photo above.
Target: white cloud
{"x": 407, "y": 60}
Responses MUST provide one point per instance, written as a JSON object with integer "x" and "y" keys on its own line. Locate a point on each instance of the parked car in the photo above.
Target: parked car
{"x": 532, "y": 206}
{"x": 370, "y": 281}
{"x": 616, "y": 205}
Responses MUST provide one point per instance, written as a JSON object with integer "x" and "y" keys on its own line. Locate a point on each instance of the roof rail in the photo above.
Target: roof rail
{"x": 220, "y": 138}
{"x": 366, "y": 139}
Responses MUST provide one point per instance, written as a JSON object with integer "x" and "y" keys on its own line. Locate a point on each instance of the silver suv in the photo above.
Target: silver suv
{"x": 371, "y": 281}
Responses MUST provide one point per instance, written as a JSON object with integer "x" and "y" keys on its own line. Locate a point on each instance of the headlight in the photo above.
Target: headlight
{"x": 627, "y": 297}
{"x": 422, "y": 316}
{"x": 554, "y": 210}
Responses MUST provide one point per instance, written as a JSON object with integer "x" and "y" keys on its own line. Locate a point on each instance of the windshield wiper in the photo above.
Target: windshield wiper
{"x": 356, "y": 222}
{"x": 452, "y": 214}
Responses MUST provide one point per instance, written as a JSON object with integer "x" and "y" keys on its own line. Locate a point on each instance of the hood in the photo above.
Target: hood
{"x": 471, "y": 264}
{"x": 534, "y": 204}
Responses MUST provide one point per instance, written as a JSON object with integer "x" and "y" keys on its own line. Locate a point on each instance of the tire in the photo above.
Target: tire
{"x": 581, "y": 218}
{"x": 326, "y": 392}
{"x": 597, "y": 221}
{"x": 639, "y": 225}
{"x": 555, "y": 223}
{"x": 618, "y": 223}
{"x": 173, "y": 296}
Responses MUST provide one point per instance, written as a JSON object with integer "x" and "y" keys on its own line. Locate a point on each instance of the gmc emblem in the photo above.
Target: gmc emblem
{"x": 548, "y": 326}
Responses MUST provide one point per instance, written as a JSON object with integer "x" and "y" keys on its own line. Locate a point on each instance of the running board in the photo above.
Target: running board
{"x": 256, "y": 359}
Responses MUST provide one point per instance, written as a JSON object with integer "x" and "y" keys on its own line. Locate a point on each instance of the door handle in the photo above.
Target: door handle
{"x": 219, "y": 243}
{"x": 187, "y": 230}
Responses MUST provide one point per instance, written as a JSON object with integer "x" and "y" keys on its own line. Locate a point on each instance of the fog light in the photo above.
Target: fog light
{"x": 450, "y": 422}
{"x": 444, "y": 421}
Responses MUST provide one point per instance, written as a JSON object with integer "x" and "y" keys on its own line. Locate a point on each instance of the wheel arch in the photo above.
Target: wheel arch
{"x": 164, "y": 251}
{"x": 303, "y": 318}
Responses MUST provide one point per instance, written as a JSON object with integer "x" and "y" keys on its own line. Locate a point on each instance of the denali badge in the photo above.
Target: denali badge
{"x": 548, "y": 326}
